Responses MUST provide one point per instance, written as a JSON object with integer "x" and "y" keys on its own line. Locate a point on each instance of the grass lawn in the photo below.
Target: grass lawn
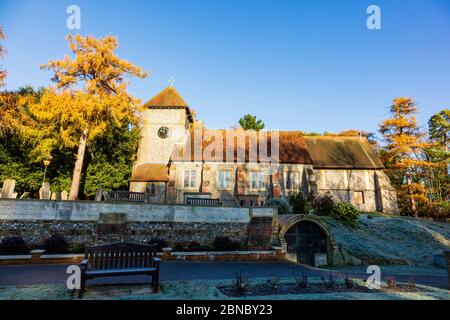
{"x": 386, "y": 270}
{"x": 393, "y": 240}
{"x": 208, "y": 290}
{"x": 35, "y": 292}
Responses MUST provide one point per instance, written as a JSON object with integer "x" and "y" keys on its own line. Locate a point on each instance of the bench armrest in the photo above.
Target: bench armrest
{"x": 156, "y": 261}
{"x": 84, "y": 264}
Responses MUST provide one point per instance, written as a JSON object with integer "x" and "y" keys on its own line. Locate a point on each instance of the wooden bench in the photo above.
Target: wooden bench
{"x": 120, "y": 259}
{"x": 127, "y": 196}
{"x": 203, "y": 201}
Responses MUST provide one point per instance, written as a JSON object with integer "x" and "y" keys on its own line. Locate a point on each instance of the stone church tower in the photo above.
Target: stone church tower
{"x": 165, "y": 123}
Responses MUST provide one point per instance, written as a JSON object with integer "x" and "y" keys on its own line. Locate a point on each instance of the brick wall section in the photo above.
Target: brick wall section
{"x": 260, "y": 233}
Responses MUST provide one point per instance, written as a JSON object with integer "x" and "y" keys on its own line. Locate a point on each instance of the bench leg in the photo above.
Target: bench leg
{"x": 155, "y": 282}
{"x": 82, "y": 286}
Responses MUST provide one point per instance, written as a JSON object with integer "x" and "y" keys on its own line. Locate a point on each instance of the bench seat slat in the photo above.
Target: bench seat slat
{"x": 115, "y": 272}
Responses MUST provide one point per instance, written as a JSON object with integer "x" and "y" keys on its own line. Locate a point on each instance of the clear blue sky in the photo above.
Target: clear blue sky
{"x": 298, "y": 65}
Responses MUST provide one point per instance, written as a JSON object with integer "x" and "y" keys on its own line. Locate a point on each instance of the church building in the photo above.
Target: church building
{"x": 180, "y": 161}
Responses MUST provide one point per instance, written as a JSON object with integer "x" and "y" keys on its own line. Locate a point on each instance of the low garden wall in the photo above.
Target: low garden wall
{"x": 276, "y": 254}
{"x": 88, "y": 222}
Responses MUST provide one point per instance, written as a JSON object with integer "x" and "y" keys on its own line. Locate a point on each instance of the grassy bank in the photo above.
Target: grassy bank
{"x": 387, "y": 240}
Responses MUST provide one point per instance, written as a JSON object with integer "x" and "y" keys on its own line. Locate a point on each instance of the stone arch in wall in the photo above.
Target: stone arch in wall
{"x": 302, "y": 236}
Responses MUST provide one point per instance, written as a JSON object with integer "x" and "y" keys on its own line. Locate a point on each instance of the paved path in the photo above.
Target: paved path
{"x": 182, "y": 270}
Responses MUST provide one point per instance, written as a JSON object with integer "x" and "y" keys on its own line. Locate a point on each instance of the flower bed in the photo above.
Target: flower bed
{"x": 317, "y": 288}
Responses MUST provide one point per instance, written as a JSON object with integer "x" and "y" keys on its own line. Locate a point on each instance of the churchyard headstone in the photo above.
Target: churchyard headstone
{"x": 8, "y": 189}
{"x": 44, "y": 191}
{"x": 56, "y": 196}
{"x": 64, "y": 195}
{"x": 99, "y": 195}
{"x": 25, "y": 195}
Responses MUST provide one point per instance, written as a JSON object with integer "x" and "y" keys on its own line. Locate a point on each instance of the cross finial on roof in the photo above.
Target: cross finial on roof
{"x": 171, "y": 81}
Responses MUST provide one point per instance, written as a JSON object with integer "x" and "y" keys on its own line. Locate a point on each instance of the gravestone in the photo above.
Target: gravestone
{"x": 24, "y": 195}
{"x": 8, "y": 189}
{"x": 99, "y": 195}
{"x": 64, "y": 195}
{"x": 44, "y": 191}
{"x": 56, "y": 196}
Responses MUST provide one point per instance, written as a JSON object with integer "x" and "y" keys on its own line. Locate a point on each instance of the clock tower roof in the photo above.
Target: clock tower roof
{"x": 169, "y": 98}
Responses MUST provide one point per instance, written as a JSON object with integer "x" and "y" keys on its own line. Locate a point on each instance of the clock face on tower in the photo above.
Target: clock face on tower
{"x": 163, "y": 132}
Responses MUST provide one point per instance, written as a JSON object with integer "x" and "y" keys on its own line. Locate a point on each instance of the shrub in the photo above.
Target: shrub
{"x": 299, "y": 204}
{"x": 329, "y": 282}
{"x": 226, "y": 244}
{"x": 411, "y": 283}
{"x": 273, "y": 283}
{"x": 56, "y": 244}
{"x": 77, "y": 248}
{"x": 437, "y": 210}
{"x": 161, "y": 243}
{"x": 191, "y": 246}
{"x": 322, "y": 203}
{"x": 179, "y": 246}
{"x": 240, "y": 284}
{"x": 391, "y": 282}
{"x": 345, "y": 212}
{"x": 281, "y": 204}
{"x": 13, "y": 245}
{"x": 302, "y": 281}
{"x": 194, "y": 246}
{"x": 348, "y": 281}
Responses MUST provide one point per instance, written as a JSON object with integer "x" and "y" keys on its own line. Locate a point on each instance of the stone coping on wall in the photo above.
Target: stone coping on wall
{"x": 268, "y": 255}
{"x": 134, "y": 203}
{"x": 13, "y": 209}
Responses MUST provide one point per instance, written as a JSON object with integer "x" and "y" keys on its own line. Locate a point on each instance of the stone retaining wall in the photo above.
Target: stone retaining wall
{"x": 83, "y": 222}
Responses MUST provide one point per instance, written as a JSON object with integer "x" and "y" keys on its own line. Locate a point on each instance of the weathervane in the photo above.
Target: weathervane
{"x": 171, "y": 81}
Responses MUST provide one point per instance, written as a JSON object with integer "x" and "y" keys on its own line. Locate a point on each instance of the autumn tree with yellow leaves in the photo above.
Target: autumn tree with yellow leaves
{"x": 404, "y": 151}
{"x": 89, "y": 97}
{"x": 2, "y": 54}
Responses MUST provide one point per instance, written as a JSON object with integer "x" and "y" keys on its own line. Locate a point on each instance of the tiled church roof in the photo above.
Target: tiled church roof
{"x": 151, "y": 173}
{"x": 342, "y": 153}
{"x": 292, "y": 147}
{"x": 169, "y": 97}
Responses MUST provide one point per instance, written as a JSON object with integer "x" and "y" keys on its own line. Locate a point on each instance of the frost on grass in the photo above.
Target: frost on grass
{"x": 208, "y": 290}
{"x": 35, "y": 292}
{"x": 424, "y": 270}
{"x": 392, "y": 240}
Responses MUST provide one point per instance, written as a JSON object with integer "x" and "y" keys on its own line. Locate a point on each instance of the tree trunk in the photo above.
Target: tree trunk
{"x": 411, "y": 198}
{"x": 78, "y": 166}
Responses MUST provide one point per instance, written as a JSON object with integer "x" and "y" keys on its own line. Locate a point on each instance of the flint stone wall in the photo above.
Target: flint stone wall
{"x": 88, "y": 222}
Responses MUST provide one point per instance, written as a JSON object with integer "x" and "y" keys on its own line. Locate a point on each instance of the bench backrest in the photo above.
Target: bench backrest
{"x": 120, "y": 255}
{"x": 202, "y": 201}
